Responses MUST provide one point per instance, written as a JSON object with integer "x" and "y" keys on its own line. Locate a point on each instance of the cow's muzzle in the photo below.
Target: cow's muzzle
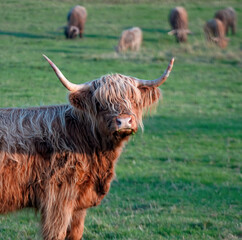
{"x": 126, "y": 124}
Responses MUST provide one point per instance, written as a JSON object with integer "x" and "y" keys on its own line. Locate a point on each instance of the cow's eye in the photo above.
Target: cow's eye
{"x": 99, "y": 107}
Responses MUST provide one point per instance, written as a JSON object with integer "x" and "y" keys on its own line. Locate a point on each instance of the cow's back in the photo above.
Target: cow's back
{"x": 77, "y": 17}
{"x": 25, "y": 155}
{"x": 178, "y": 18}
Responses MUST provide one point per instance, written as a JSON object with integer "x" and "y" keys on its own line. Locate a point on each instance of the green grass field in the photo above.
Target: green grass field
{"x": 181, "y": 177}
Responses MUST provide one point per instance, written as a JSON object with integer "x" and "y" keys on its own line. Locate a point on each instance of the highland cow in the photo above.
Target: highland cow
{"x": 76, "y": 22}
{"x": 60, "y": 159}
{"x": 179, "y": 23}
{"x": 130, "y": 39}
{"x": 215, "y": 32}
{"x": 228, "y": 17}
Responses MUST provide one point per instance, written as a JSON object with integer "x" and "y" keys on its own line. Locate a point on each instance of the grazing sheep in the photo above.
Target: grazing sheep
{"x": 215, "y": 32}
{"x": 130, "y": 39}
{"x": 76, "y": 22}
{"x": 179, "y": 23}
{"x": 228, "y": 17}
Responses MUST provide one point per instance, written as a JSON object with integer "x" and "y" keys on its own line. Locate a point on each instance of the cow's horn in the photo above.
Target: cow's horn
{"x": 172, "y": 32}
{"x": 70, "y": 86}
{"x": 188, "y": 31}
{"x": 157, "y": 82}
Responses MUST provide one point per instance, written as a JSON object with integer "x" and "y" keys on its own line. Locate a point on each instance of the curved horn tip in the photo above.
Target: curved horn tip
{"x": 172, "y": 60}
{"x": 45, "y": 56}
{"x": 171, "y": 64}
{"x": 49, "y": 61}
{"x": 168, "y": 70}
{"x": 172, "y": 32}
{"x": 67, "y": 84}
{"x": 55, "y": 68}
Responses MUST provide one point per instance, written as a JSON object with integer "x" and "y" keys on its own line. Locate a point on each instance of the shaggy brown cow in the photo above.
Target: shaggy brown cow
{"x": 76, "y": 22}
{"x": 60, "y": 159}
{"x": 179, "y": 23}
{"x": 215, "y": 32}
{"x": 130, "y": 39}
{"x": 228, "y": 17}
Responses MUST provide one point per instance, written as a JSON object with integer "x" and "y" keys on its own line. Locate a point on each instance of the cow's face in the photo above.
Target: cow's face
{"x": 117, "y": 101}
{"x": 181, "y": 36}
{"x": 71, "y": 31}
{"x": 114, "y": 104}
{"x": 120, "y": 48}
{"x": 222, "y": 42}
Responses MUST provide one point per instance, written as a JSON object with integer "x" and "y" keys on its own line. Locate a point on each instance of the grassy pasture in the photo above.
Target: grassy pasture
{"x": 181, "y": 178}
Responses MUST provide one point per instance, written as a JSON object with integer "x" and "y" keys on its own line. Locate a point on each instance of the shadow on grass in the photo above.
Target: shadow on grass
{"x": 152, "y": 30}
{"x": 76, "y": 50}
{"x": 62, "y": 51}
{"x": 25, "y": 35}
{"x": 101, "y": 36}
{"x": 57, "y": 33}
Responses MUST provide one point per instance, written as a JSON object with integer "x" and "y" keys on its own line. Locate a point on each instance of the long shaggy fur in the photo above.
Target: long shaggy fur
{"x": 130, "y": 39}
{"x": 215, "y": 32}
{"x": 60, "y": 159}
{"x": 76, "y": 22}
{"x": 228, "y": 18}
{"x": 179, "y": 22}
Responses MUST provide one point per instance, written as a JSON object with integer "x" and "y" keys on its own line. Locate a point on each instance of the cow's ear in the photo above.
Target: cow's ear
{"x": 80, "y": 98}
{"x": 150, "y": 95}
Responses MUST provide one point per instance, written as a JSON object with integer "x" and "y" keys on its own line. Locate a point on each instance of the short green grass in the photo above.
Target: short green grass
{"x": 180, "y": 178}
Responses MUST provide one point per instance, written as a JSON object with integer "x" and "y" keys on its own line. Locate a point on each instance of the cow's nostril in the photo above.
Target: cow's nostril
{"x": 118, "y": 122}
{"x": 130, "y": 121}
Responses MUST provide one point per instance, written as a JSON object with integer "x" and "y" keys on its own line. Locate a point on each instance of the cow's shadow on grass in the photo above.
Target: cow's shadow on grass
{"x": 76, "y": 50}
{"x": 101, "y": 36}
{"x": 160, "y": 31}
{"x": 153, "y": 30}
{"x": 25, "y": 35}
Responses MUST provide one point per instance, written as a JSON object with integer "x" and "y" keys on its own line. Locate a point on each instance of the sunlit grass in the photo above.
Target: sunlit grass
{"x": 181, "y": 177}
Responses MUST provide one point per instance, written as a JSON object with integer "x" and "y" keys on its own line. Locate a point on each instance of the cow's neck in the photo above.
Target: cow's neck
{"x": 98, "y": 153}
{"x": 85, "y": 138}
{"x": 101, "y": 174}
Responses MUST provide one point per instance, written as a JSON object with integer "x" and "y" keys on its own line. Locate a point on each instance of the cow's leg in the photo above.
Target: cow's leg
{"x": 76, "y": 228}
{"x": 81, "y": 31}
{"x": 233, "y": 26}
{"x": 55, "y": 220}
{"x": 227, "y": 29}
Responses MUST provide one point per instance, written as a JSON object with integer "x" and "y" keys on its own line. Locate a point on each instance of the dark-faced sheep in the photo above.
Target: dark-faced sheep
{"x": 179, "y": 22}
{"x": 228, "y": 17}
{"x": 130, "y": 39}
{"x": 76, "y": 22}
{"x": 215, "y": 32}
